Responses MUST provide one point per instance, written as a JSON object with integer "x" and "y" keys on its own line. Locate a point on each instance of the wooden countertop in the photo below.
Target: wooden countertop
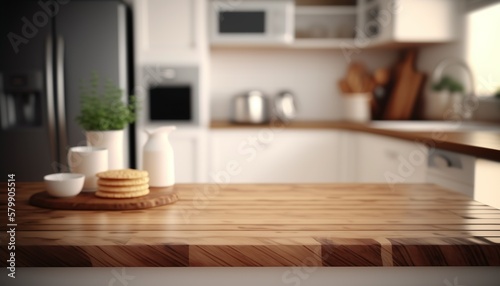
{"x": 264, "y": 225}
{"x": 481, "y": 144}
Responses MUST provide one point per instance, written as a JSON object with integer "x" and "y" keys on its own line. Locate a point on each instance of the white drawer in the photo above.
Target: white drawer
{"x": 451, "y": 170}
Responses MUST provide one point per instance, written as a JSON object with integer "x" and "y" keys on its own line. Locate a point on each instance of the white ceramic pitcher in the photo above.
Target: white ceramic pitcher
{"x": 158, "y": 157}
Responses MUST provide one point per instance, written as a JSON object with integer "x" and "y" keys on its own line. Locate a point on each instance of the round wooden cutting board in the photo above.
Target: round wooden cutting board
{"x": 88, "y": 201}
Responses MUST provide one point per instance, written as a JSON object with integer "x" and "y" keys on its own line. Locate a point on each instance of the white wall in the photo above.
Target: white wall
{"x": 311, "y": 74}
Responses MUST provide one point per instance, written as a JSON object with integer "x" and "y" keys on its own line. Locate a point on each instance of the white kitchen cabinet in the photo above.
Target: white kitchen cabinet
{"x": 324, "y": 26}
{"x": 170, "y": 30}
{"x": 189, "y": 147}
{"x": 451, "y": 170}
{"x": 273, "y": 156}
{"x": 383, "y": 159}
{"x": 410, "y": 22}
{"x": 487, "y": 182}
{"x": 348, "y": 150}
{"x": 190, "y": 159}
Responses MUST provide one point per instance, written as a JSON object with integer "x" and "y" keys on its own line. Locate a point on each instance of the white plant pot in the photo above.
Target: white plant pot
{"x": 436, "y": 104}
{"x": 456, "y": 105}
{"x": 113, "y": 140}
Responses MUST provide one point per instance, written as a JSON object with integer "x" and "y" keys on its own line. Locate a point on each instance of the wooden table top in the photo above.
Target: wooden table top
{"x": 482, "y": 144}
{"x": 264, "y": 225}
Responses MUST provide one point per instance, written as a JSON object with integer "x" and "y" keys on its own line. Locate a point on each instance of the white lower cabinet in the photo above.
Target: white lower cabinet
{"x": 452, "y": 170}
{"x": 273, "y": 156}
{"x": 190, "y": 156}
{"x": 381, "y": 159}
{"x": 487, "y": 182}
{"x": 190, "y": 152}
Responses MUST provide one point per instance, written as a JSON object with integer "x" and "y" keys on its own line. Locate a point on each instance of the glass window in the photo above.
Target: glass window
{"x": 483, "y": 48}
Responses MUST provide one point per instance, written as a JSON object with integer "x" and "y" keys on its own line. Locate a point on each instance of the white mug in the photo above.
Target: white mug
{"x": 89, "y": 161}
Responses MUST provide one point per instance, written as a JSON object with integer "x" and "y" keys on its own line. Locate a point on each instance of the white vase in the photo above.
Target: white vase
{"x": 436, "y": 105}
{"x": 456, "y": 105}
{"x": 158, "y": 158}
{"x": 113, "y": 140}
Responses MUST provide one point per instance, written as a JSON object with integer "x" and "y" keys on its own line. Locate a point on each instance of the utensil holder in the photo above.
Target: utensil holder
{"x": 356, "y": 107}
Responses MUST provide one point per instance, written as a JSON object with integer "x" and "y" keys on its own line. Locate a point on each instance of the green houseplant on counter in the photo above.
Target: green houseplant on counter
{"x": 448, "y": 84}
{"x": 104, "y": 114}
{"x": 444, "y": 99}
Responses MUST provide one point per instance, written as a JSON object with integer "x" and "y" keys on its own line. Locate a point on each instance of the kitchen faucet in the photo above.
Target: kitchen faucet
{"x": 470, "y": 102}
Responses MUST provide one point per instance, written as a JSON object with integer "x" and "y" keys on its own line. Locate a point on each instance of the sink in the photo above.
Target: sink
{"x": 430, "y": 126}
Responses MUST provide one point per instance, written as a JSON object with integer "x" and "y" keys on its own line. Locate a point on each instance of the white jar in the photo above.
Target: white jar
{"x": 158, "y": 157}
{"x": 356, "y": 107}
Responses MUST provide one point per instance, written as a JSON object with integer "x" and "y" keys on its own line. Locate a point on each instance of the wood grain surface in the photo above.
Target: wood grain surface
{"x": 406, "y": 89}
{"x": 264, "y": 225}
{"x": 88, "y": 201}
{"x": 482, "y": 144}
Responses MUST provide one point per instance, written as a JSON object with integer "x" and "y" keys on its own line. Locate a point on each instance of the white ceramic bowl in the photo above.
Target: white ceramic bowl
{"x": 64, "y": 184}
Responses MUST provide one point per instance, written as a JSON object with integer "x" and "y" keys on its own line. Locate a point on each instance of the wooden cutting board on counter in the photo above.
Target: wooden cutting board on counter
{"x": 406, "y": 89}
{"x": 88, "y": 201}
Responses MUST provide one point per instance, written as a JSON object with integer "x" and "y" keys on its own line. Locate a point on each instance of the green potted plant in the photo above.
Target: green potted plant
{"x": 446, "y": 95}
{"x": 104, "y": 114}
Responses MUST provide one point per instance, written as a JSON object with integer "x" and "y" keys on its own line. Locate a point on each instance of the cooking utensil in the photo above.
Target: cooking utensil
{"x": 357, "y": 80}
{"x": 250, "y": 107}
{"x": 285, "y": 106}
{"x": 344, "y": 86}
{"x": 381, "y": 91}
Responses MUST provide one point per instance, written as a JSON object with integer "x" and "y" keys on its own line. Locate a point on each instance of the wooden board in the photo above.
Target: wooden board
{"x": 406, "y": 89}
{"x": 88, "y": 201}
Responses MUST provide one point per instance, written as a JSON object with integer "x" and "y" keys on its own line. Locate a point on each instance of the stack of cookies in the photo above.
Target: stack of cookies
{"x": 122, "y": 184}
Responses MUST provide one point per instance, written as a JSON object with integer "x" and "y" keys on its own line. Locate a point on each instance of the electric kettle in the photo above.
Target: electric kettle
{"x": 285, "y": 106}
{"x": 251, "y": 107}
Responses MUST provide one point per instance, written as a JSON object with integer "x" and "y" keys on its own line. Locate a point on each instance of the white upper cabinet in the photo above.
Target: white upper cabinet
{"x": 406, "y": 22}
{"x": 170, "y": 30}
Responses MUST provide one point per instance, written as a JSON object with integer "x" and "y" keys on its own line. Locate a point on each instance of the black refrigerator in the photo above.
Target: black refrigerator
{"x": 47, "y": 48}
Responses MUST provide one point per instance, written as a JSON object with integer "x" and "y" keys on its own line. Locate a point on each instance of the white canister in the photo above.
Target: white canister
{"x": 356, "y": 107}
{"x": 436, "y": 105}
{"x": 158, "y": 157}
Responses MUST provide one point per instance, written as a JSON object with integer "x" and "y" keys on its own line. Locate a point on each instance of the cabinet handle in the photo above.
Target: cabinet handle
{"x": 441, "y": 161}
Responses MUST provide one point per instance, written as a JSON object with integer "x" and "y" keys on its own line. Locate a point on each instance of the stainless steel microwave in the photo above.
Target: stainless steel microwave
{"x": 252, "y": 21}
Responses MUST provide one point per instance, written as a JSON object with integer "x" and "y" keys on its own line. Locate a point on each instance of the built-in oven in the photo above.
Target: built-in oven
{"x": 172, "y": 95}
